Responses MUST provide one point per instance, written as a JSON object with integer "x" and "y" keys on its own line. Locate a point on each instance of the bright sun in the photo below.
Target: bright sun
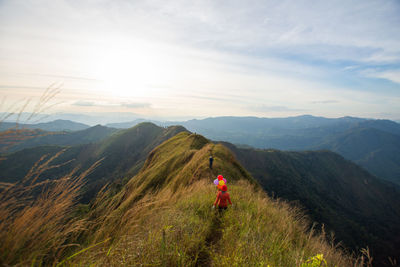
{"x": 134, "y": 69}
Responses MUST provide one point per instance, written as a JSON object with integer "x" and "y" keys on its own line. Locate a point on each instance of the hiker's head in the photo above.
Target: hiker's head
{"x": 224, "y": 188}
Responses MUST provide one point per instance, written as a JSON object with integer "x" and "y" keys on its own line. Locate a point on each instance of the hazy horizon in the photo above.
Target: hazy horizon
{"x": 93, "y": 119}
{"x": 204, "y": 59}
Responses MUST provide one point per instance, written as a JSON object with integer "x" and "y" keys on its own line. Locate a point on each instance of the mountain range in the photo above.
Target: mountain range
{"x": 52, "y": 126}
{"x": 161, "y": 215}
{"x": 360, "y": 209}
{"x": 372, "y": 144}
{"x": 37, "y": 137}
{"x": 123, "y": 153}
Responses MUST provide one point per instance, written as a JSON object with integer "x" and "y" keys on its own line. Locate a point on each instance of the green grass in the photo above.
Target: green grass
{"x": 259, "y": 232}
{"x": 185, "y": 231}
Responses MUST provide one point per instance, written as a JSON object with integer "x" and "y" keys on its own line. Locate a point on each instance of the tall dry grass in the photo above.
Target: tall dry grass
{"x": 157, "y": 230}
{"x": 19, "y": 133}
{"x": 36, "y": 222}
{"x": 179, "y": 228}
{"x": 261, "y": 231}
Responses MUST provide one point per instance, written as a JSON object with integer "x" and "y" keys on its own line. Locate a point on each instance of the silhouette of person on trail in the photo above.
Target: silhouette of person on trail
{"x": 211, "y": 161}
{"x": 222, "y": 199}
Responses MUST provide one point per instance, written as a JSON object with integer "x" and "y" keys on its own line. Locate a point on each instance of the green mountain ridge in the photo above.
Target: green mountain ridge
{"x": 163, "y": 216}
{"x": 162, "y": 176}
{"x": 374, "y": 149}
{"x": 314, "y": 133}
{"x": 346, "y": 136}
{"x": 361, "y": 209}
{"x": 52, "y": 126}
{"x": 123, "y": 154}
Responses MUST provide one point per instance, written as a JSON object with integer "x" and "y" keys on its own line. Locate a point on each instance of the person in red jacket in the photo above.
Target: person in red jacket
{"x": 222, "y": 199}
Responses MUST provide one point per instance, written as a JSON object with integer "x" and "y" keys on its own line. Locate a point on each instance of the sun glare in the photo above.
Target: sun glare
{"x": 134, "y": 69}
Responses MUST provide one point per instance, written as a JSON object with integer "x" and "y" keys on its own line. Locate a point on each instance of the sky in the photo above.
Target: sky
{"x": 196, "y": 59}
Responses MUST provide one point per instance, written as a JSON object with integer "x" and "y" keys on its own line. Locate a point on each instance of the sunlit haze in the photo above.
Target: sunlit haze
{"x": 194, "y": 59}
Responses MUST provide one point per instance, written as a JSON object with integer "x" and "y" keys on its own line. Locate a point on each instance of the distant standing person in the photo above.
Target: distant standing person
{"x": 211, "y": 161}
{"x": 222, "y": 199}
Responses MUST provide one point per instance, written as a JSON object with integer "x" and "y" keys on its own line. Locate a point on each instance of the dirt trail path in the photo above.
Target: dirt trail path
{"x": 214, "y": 233}
{"x": 213, "y": 236}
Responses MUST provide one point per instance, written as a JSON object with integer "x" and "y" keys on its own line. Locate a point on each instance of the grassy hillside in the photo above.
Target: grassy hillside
{"x": 374, "y": 149}
{"x": 163, "y": 217}
{"x": 183, "y": 230}
{"x": 361, "y": 209}
{"x": 123, "y": 155}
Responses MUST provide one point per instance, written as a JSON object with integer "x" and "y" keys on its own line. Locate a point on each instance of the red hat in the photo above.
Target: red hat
{"x": 224, "y": 188}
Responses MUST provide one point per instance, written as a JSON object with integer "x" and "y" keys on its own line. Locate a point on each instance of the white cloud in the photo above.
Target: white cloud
{"x": 265, "y": 108}
{"x": 341, "y": 26}
{"x": 135, "y": 105}
{"x": 84, "y": 103}
{"x": 324, "y": 102}
{"x": 205, "y": 54}
{"x": 392, "y": 75}
{"x": 108, "y": 104}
